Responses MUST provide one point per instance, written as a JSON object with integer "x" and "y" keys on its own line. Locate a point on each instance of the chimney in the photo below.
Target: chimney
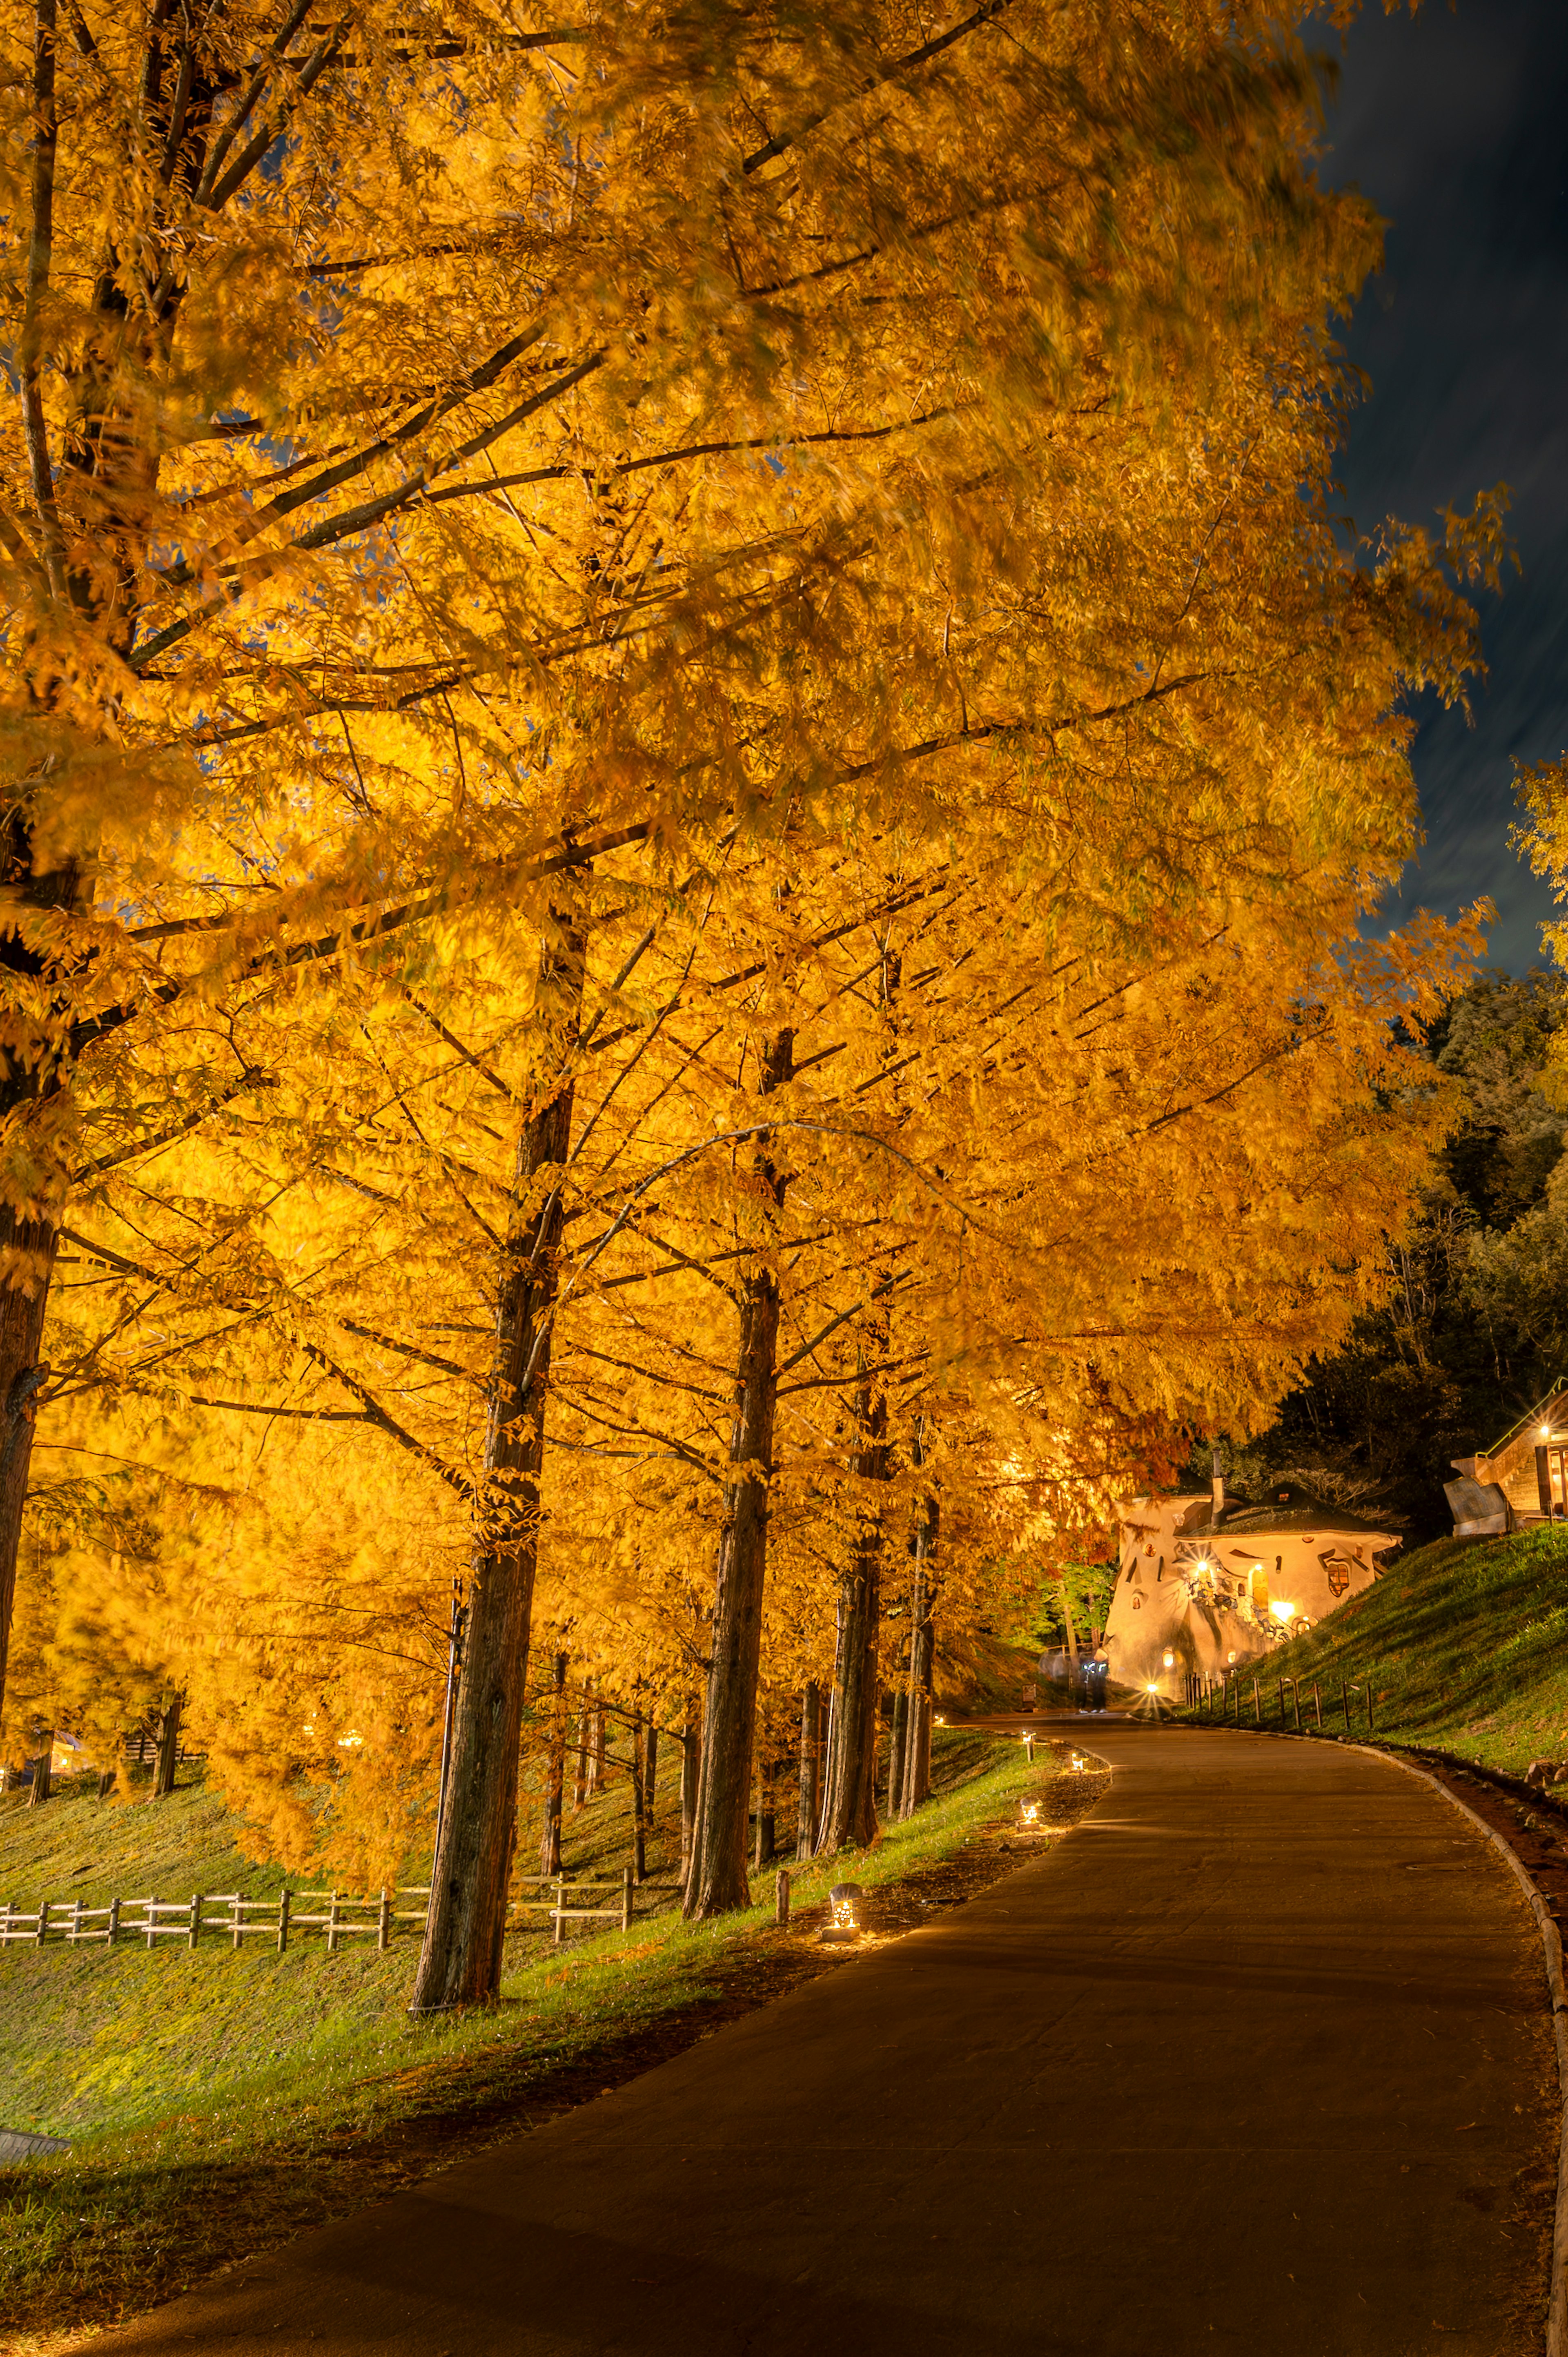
{"x": 1219, "y": 1491}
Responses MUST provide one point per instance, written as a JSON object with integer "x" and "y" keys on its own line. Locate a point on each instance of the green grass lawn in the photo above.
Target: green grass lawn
{"x": 204, "y": 2087}
{"x": 1462, "y": 1644}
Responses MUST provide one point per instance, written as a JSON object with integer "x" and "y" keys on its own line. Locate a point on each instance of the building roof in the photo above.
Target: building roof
{"x": 1289, "y": 1506}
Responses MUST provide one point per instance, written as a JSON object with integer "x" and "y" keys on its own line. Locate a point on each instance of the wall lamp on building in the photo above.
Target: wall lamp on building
{"x": 1282, "y": 1611}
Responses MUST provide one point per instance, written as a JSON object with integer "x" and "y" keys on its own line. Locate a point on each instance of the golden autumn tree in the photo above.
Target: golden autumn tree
{"x": 466, "y": 481}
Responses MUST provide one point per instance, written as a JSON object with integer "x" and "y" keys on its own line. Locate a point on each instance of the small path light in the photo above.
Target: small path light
{"x": 845, "y": 1900}
{"x": 1029, "y": 1817}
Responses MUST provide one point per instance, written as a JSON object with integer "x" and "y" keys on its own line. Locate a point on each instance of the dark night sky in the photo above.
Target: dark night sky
{"x": 1453, "y": 125}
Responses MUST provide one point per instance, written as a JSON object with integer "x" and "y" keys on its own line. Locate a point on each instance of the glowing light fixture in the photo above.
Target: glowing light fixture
{"x": 1029, "y": 1813}
{"x": 941, "y": 1722}
{"x": 844, "y": 1904}
{"x": 1282, "y": 1611}
{"x": 1170, "y": 1659}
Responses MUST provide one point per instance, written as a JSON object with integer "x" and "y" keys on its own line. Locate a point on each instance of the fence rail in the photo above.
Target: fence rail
{"x": 338, "y": 1915}
{"x": 1220, "y": 1696}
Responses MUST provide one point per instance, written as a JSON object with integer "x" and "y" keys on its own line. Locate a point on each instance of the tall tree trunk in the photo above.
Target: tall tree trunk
{"x": 585, "y": 1720}
{"x": 638, "y": 1802}
{"x": 850, "y": 1817}
{"x": 767, "y": 1820}
{"x": 596, "y": 1751}
{"x": 460, "y": 1962}
{"x": 718, "y": 1880}
{"x": 554, "y": 1770}
{"x": 897, "y": 1760}
{"x": 41, "y": 1784}
{"x": 650, "y": 1771}
{"x": 917, "y": 1786}
{"x": 811, "y": 1757}
{"x": 169, "y": 1747}
{"x": 691, "y": 1779}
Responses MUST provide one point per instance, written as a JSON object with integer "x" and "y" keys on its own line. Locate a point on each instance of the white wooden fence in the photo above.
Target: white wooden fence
{"x": 233, "y": 1916}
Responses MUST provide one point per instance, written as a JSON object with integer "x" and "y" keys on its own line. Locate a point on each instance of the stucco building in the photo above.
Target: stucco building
{"x": 1206, "y": 1582}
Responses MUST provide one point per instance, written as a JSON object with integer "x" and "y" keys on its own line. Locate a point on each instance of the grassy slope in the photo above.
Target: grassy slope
{"x": 191, "y": 2082}
{"x": 1464, "y": 1645}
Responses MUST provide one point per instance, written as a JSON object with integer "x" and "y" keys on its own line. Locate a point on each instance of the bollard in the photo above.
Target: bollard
{"x": 1029, "y": 1746}
{"x": 781, "y": 1896}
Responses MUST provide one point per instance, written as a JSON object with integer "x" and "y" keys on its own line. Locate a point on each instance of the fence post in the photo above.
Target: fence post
{"x": 1281, "y": 1684}
{"x": 75, "y": 1923}
{"x": 5, "y": 1923}
{"x": 113, "y": 1922}
{"x": 1317, "y": 1704}
{"x": 195, "y": 1916}
{"x": 1257, "y": 1705}
{"x": 283, "y": 1921}
{"x": 625, "y": 1898}
{"x": 237, "y": 1923}
{"x": 152, "y": 1906}
{"x": 1371, "y": 1729}
{"x": 560, "y": 1903}
{"x": 1344, "y": 1704}
{"x": 781, "y": 1896}
{"x": 43, "y": 1919}
{"x": 384, "y": 1920}
{"x": 332, "y": 1924}
{"x": 1295, "y": 1702}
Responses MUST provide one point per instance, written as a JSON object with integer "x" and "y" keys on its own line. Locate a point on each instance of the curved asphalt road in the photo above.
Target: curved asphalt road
{"x": 1257, "y": 2059}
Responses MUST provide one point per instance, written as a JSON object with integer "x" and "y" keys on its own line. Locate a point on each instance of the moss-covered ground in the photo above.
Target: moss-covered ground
{"x": 1462, "y": 1645}
{"x": 218, "y": 2102}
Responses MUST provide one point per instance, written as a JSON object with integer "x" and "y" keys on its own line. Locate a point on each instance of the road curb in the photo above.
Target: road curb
{"x": 1552, "y": 1943}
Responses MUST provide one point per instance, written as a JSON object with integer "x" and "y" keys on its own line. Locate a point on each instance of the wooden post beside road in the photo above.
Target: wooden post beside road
{"x": 113, "y": 1922}
{"x": 1371, "y": 1729}
{"x": 781, "y": 1896}
{"x": 384, "y": 1920}
{"x": 1344, "y": 1704}
{"x": 195, "y": 1917}
{"x": 625, "y": 1898}
{"x": 43, "y": 1920}
{"x": 1295, "y": 1701}
{"x": 283, "y": 1921}
{"x": 1317, "y": 1704}
{"x": 1257, "y": 1705}
{"x": 1282, "y": 1687}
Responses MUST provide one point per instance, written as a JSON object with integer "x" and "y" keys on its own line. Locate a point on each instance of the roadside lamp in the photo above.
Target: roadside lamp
{"x": 1151, "y": 1687}
{"x": 1076, "y": 1763}
{"x": 1170, "y": 1659}
{"x": 1282, "y": 1612}
{"x": 1029, "y": 1813}
{"x": 941, "y": 1722}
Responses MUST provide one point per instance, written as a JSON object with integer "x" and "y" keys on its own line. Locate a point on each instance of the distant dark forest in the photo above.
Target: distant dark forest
{"x": 1477, "y": 1328}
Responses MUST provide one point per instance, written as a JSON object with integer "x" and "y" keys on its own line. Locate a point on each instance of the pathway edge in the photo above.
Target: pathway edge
{"x": 1552, "y": 1943}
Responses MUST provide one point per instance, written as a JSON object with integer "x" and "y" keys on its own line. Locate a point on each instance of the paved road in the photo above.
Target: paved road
{"x": 1253, "y": 2061}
